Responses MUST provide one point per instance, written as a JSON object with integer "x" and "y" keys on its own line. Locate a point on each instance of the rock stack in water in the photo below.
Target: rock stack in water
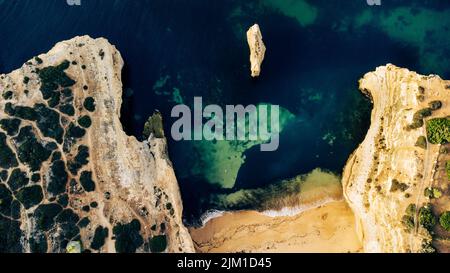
{"x": 257, "y": 49}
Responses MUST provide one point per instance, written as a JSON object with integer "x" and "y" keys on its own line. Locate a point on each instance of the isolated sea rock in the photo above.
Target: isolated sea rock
{"x": 385, "y": 178}
{"x": 257, "y": 49}
{"x": 70, "y": 176}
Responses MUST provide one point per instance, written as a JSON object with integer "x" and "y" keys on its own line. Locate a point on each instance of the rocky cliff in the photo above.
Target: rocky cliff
{"x": 257, "y": 49}
{"x": 386, "y": 177}
{"x": 71, "y": 179}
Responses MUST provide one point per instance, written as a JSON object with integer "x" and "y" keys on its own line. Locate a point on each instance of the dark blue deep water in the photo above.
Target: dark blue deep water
{"x": 316, "y": 54}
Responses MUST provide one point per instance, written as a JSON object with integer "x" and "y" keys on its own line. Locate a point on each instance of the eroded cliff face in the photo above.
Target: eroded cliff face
{"x": 385, "y": 178}
{"x": 70, "y": 177}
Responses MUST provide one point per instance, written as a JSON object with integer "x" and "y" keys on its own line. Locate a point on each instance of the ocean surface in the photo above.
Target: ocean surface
{"x": 177, "y": 49}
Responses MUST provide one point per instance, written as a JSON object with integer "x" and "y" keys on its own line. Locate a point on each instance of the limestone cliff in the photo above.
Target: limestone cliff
{"x": 385, "y": 178}
{"x": 257, "y": 49}
{"x": 71, "y": 179}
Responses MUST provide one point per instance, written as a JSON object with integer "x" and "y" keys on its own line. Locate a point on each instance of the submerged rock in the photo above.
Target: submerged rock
{"x": 257, "y": 49}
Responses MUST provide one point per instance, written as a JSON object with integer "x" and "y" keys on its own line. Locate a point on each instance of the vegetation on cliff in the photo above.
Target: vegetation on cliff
{"x": 438, "y": 130}
{"x": 426, "y": 217}
{"x": 128, "y": 237}
{"x": 154, "y": 126}
{"x": 444, "y": 220}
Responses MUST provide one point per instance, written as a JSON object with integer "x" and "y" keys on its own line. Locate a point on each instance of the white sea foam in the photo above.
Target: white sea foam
{"x": 284, "y": 212}
{"x": 293, "y": 211}
{"x": 211, "y": 214}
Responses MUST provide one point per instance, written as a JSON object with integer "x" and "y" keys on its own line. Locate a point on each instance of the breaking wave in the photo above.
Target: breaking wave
{"x": 287, "y": 198}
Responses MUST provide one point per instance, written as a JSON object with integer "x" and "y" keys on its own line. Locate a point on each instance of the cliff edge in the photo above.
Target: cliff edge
{"x": 71, "y": 179}
{"x": 385, "y": 178}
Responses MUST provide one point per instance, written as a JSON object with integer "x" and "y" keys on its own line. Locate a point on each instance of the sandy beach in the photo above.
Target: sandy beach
{"x": 322, "y": 222}
{"x": 329, "y": 228}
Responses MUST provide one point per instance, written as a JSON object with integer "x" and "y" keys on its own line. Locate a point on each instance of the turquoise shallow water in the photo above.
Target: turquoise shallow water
{"x": 177, "y": 49}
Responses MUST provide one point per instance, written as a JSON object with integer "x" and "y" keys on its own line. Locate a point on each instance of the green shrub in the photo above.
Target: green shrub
{"x": 408, "y": 218}
{"x": 89, "y": 104}
{"x": 99, "y": 237}
{"x": 24, "y": 112}
{"x": 30, "y": 196}
{"x": 427, "y": 247}
{"x": 444, "y": 220}
{"x": 63, "y": 200}
{"x": 54, "y": 100}
{"x": 421, "y": 142}
{"x": 426, "y": 217}
{"x": 11, "y": 126}
{"x": 17, "y": 179}
{"x": 158, "y": 244}
{"x": 75, "y": 132}
{"x": 68, "y": 232}
{"x": 38, "y": 60}
{"x": 29, "y": 150}
{"x": 8, "y": 95}
{"x": 16, "y": 210}
{"x": 6, "y": 200}
{"x": 38, "y": 243}
{"x": 67, "y": 216}
{"x": 397, "y": 185}
{"x": 128, "y": 237}
{"x": 154, "y": 125}
{"x": 10, "y": 236}
{"x": 84, "y": 222}
{"x": 408, "y": 222}
{"x": 80, "y": 160}
{"x": 416, "y": 124}
{"x": 36, "y": 177}
{"x": 423, "y": 113}
{"x": 58, "y": 178}
{"x": 48, "y": 122}
{"x": 3, "y": 175}
{"x": 45, "y": 215}
{"x": 87, "y": 182}
{"x": 56, "y": 75}
{"x": 438, "y": 130}
{"x": 418, "y": 118}
{"x": 7, "y": 156}
{"x": 67, "y": 109}
{"x": 85, "y": 121}
{"x": 83, "y": 155}
{"x": 432, "y": 193}
{"x": 411, "y": 210}
{"x": 435, "y": 105}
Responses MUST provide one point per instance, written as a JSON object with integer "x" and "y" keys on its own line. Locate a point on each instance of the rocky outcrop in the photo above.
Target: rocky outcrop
{"x": 385, "y": 178}
{"x": 257, "y": 49}
{"x": 71, "y": 177}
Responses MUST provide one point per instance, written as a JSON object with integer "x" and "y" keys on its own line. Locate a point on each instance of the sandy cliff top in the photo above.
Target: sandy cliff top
{"x": 389, "y": 171}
